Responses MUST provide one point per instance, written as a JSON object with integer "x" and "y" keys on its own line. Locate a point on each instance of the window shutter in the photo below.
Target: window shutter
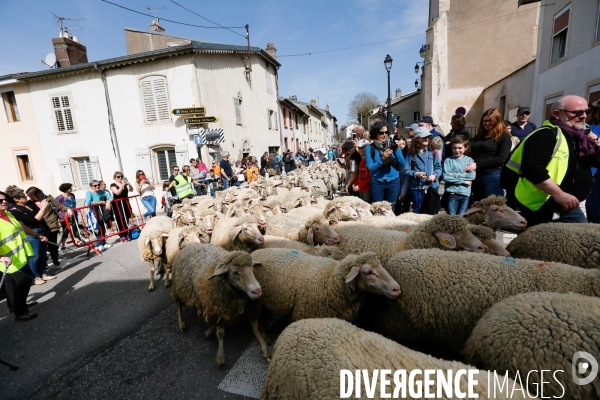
{"x": 95, "y": 168}
{"x": 142, "y": 160}
{"x": 62, "y": 113}
{"x": 276, "y": 121}
{"x": 66, "y": 173}
{"x": 162, "y": 99}
{"x": 155, "y": 99}
{"x": 85, "y": 172}
{"x": 238, "y": 111}
{"x": 181, "y": 155}
{"x": 269, "y": 119}
{"x": 269, "y": 83}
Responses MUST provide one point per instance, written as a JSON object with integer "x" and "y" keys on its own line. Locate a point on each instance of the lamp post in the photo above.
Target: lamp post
{"x": 388, "y": 66}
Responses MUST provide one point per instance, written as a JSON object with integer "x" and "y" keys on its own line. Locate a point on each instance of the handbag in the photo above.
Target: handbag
{"x": 431, "y": 202}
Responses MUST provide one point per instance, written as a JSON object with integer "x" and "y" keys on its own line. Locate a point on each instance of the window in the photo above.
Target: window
{"x": 269, "y": 82}
{"x": 62, "y": 113}
{"x": 165, "y": 158}
{"x": 84, "y": 167}
{"x": 24, "y": 165}
{"x": 549, "y": 102}
{"x": 594, "y": 94}
{"x": 237, "y": 105}
{"x": 10, "y": 106}
{"x": 270, "y": 118}
{"x": 276, "y": 120}
{"x": 559, "y": 38}
{"x": 417, "y": 115}
{"x": 155, "y": 99}
{"x": 598, "y": 25}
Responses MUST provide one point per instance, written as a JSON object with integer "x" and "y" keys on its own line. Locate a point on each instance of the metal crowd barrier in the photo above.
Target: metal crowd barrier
{"x": 91, "y": 224}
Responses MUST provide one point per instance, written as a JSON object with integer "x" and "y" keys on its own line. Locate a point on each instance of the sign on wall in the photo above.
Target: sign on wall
{"x": 189, "y": 111}
{"x": 200, "y": 120}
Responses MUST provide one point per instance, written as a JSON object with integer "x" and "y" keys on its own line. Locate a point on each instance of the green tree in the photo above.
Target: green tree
{"x": 360, "y": 106}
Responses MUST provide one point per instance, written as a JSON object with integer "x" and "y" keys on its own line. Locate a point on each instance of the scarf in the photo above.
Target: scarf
{"x": 379, "y": 145}
{"x": 584, "y": 145}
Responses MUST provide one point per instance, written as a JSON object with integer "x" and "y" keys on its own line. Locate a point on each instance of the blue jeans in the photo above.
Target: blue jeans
{"x": 544, "y": 215}
{"x": 385, "y": 190}
{"x": 592, "y": 203}
{"x": 225, "y": 183}
{"x": 457, "y": 203}
{"x": 417, "y": 197}
{"x": 37, "y": 263}
{"x": 150, "y": 203}
{"x": 487, "y": 184}
{"x": 239, "y": 183}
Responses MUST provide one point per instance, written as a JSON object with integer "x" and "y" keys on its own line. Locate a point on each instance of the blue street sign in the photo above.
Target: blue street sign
{"x": 198, "y": 139}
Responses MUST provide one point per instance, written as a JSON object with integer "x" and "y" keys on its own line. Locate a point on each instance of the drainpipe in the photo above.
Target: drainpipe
{"x": 111, "y": 122}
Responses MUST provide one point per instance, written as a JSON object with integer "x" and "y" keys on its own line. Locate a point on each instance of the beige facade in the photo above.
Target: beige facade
{"x": 22, "y": 162}
{"x": 471, "y": 45}
{"x": 510, "y": 93}
{"x": 407, "y": 108}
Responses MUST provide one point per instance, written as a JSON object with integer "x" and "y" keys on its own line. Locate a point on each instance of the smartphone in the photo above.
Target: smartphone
{"x": 143, "y": 177}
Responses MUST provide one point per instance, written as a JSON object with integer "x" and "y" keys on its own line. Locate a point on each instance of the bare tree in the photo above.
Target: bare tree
{"x": 360, "y": 106}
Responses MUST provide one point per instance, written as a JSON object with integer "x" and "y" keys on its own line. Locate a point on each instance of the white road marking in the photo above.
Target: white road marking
{"x": 248, "y": 374}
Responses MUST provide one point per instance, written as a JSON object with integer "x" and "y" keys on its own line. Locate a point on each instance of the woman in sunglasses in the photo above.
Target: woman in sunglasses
{"x": 121, "y": 208}
{"x": 100, "y": 201}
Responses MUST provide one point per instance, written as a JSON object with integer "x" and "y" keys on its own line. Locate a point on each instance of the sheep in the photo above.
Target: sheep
{"x": 283, "y": 243}
{"x": 294, "y": 200}
{"x": 442, "y": 231}
{"x": 313, "y": 230}
{"x": 310, "y": 354}
{"x": 418, "y": 218}
{"x": 363, "y": 209}
{"x": 298, "y": 285}
{"x": 382, "y": 208}
{"x": 486, "y": 236}
{"x": 318, "y": 202}
{"x": 543, "y": 332}
{"x": 183, "y": 216}
{"x": 273, "y": 203}
{"x": 151, "y": 243}
{"x": 446, "y": 293}
{"x": 220, "y": 286}
{"x": 494, "y": 213}
{"x": 237, "y": 233}
{"x": 574, "y": 244}
{"x": 306, "y": 211}
{"x": 340, "y": 210}
{"x": 206, "y": 219}
{"x": 178, "y": 239}
{"x": 385, "y": 222}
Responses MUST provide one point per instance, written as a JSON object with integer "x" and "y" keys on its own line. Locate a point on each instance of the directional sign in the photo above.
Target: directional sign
{"x": 189, "y": 111}
{"x": 200, "y": 120}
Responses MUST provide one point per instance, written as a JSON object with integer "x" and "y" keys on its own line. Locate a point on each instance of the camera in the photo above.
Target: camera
{"x": 103, "y": 198}
{"x": 391, "y": 143}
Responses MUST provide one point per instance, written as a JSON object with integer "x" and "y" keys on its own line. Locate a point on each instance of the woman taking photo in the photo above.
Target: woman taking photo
{"x": 121, "y": 209}
{"x": 360, "y": 178}
{"x": 31, "y": 216}
{"x": 100, "y": 201}
{"x": 489, "y": 151}
{"x": 422, "y": 166}
{"x": 145, "y": 188}
{"x": 384, "y": 164}
{"x": 67, "y": 199}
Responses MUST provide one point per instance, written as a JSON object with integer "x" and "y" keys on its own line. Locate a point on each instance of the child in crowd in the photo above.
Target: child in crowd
{"x": 458, "y": 182}
{"x": 167, "y": 200}
{"x": 211, "y": 180}
{"x": 422, "y": 167}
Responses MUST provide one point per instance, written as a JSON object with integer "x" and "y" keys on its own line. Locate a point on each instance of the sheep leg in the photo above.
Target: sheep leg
{"x": 167, "y": 274}
{"x": 180, "y": 316}
{"x": 221, "y": 351}
{"x": 161, "y": 268}
{"x": 264, "y": 349}
{"x": 209, "y": 332}
{"x": 151, "y": 288}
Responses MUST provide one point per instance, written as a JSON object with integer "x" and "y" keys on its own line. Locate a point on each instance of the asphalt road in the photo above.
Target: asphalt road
{"x": 100, "y": 334}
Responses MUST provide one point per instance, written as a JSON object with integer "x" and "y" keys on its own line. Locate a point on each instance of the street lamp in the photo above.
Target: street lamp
{"x": 388, "y": 66}
{"x": 416, "y": 83}
{"x": 423, "y": 50}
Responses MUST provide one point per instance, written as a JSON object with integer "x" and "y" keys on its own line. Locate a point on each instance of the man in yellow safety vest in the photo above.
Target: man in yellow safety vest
{"x": 553, "y": 165}
{"x": 14, "y": 271}
{"x": 183, "y": 184}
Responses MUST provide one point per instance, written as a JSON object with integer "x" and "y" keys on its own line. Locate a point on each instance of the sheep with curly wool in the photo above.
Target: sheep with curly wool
{"x": 239, "y": 233}
{"x": 418, "y": 218}
{"x": 277, "y": 242}
{"x": 183, "y": 216}
{"x": 385, "y": 222}
{"x": 273, "y": 203}
{"x": 340, "y": 209}
{"x": 573, "y": 244}
{"x": 306, "y": 211}
{"x": 310, "y": 356}
{"x": 494, "y": 213}
{"x": 446, "y": 293}
{"x": 221, "y": 287}
{"x": 543, "y": 332}
{"x": 382, "y": 208}
{"x": 442, "y": 231}
{"x": 177, "y": 240}
{"x": 488, "y": 238}
{"x": 362, "y": 208}
{"x": 296, "y": 199}
{"x": 298, "y": 285}
{"x": 151, "y": 243}
{"x": 304, "y": 229}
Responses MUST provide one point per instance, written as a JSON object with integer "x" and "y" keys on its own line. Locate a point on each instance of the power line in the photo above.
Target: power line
{"x": 175, "y": 22}
{"x": 206, "y": 19}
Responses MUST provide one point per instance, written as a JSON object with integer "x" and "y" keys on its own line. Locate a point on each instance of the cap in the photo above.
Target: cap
{"x": 362, "y": 143}
{"x": 422, "y": 132}
{"x": 523, "y": 109}
{"x": 426, "y": 119}
{"x": 412, "y": 127}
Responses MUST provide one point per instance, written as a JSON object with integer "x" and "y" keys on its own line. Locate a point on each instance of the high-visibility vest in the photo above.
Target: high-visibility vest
{"x": 184, "y": 186}
{"x": 14, "y": 244}
{"x": 526, "y": 192}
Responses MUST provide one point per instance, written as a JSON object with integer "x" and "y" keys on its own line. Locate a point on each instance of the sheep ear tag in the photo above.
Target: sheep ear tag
{"x": 352, "y": 274}
{"x": 446, "y": 239}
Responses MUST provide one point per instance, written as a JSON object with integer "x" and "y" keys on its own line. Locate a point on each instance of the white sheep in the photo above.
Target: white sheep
{"x": 178, "y": 239}
{"x": 382, "y": 208}
{"x": 418, "y": 218}
{"x": 310, "y": 230}
{"x": 340, "y": 209}
{"x": 237, "y": 233}
{"x": 152, "y": 241}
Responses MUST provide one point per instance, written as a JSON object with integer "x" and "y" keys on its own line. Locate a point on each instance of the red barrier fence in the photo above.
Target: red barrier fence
{"x": 92, "y": 224}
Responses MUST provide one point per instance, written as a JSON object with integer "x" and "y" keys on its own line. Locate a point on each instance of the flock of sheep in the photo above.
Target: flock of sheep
{"x": 286, "y": 250}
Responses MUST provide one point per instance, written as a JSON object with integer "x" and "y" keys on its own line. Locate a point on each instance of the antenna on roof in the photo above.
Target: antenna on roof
{"x": 153, "y": 10}
{"x": 63, "y": 29}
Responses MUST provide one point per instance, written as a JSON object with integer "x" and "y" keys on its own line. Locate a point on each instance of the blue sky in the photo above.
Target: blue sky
{"x": 294, "y": 27}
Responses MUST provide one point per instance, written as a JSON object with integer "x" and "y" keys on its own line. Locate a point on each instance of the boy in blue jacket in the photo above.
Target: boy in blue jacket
{"x": 458, "y": 182}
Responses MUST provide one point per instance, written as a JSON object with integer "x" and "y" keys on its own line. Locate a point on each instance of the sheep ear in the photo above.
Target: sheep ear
{"x": 212, "y": 205}
{"x": 220, "y": 271}
{"x": 297, "y": 203}
{"x": 352, "y": 274}
{"x": 147, "y": 241}
{"x": 265, "y": 208}
{"x": 333, "y": 222}
{"x": 329, "y": 210}
{"x": 446, "y": 239}
{"x": 310, "y": 236}
{"x": 164, "y": 234}
{"x": 238, "y": 230}
{"x": 256, "y": 263}
{"x": 472, "y": 211}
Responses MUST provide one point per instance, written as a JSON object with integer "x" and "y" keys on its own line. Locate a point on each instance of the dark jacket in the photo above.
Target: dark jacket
{"x": 26, "y": 215}
{"x": 289, "y": 163}
{"x": 490, "y": 155}
{"x": 449, "y": 137}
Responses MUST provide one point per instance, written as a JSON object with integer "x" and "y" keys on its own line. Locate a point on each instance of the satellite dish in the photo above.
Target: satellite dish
{"x": 50, "y": 60}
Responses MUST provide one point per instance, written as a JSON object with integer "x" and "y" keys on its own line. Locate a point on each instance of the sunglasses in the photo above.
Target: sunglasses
{"x": 578, "y": 113}
{"x": 95, "y": 185}
{"x": 3, "y": 201}
{"x": 119, "y": 176}
{"x": 383, "y": 133}
{"x": 524, "y": 113}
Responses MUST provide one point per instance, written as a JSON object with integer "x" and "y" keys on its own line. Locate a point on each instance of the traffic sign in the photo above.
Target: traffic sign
{"x": 200, "y": 120}
{"x": 198, "y": 139}
{"x": 189, "y": 111}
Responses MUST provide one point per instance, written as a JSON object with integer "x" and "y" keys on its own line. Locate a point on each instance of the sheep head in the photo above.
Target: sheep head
{"x": 369, "y": 275}
{"x": 451, "y": 232}
{"x": 363, "y": 211}
{"x": 258, "y": 212}
{"x": 156, "y": 243}
{"x": 486, "y": 236}
{"x": 209, "y": 222}
{"x": 189, "y": 235}
{"x": 320, "y": 231}
{"x": 246, "y": 232}
{"x": 494, "y": 213}
{"x": 343, "y": 211}
{"x": 383, "y": 208}
{"x": 238, "y": 267}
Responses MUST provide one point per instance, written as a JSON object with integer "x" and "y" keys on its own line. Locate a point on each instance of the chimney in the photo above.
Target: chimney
{"x": 155, "y": 26}
{"x": 271, "y": 50}
{"x": 327, "y": 107}
{"x": 313, "y": 102}
{"x": 398, "y": 93}
{"x": 294, "y": 97}
{"x": 68, "y": 51}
